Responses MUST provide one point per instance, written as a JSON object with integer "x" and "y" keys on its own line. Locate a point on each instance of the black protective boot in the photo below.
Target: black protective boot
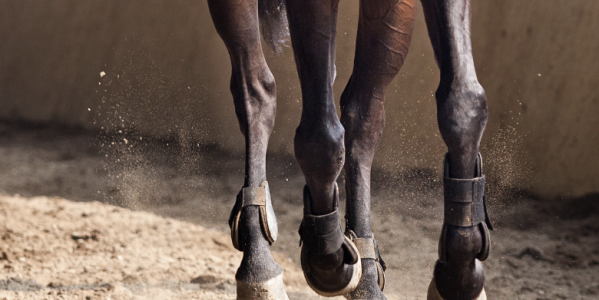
{"x": 323, "y": 241}
{"x": 465, "y": 220}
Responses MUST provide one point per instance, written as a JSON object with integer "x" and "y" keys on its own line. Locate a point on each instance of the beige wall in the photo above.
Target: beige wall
{"x": 167, "y": 74}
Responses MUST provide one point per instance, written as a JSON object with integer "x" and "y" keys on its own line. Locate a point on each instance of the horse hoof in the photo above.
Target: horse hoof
{"x": 272, "y": 289}
{"x": 433, "y": 293}
{"x": 369, "y": 287}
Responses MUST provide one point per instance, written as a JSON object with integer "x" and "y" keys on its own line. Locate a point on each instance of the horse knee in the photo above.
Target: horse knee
{"x": 462, "y": 116}
{"x": 254, "y": 94}
{"x": 320, "y": 151}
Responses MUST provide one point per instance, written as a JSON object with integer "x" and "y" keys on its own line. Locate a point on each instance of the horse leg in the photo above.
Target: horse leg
{"x": 329, "y": 259}
{"x": 254, "y": 93}
{"x": 462, "y": 116}
{"x": 384, "y": 35}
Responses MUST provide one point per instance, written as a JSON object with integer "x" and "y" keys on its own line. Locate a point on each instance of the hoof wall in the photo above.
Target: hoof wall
{"x": 272, "y": 289}
{"x": 433, "y": 293}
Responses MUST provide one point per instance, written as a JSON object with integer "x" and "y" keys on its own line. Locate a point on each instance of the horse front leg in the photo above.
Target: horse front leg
{"x": 384, "y": 35}
{"x": 329, "y": 259}
{"x": 462, "y": 116}
{"x": 253, "y": 226}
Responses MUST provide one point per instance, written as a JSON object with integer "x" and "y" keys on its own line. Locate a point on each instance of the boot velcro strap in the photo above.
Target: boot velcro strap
{"x": 369, "y": 249}
{"x": 321, "y": 234}
{"x": 464, "y": 201}
{"x": 365, "y": 247}
{"x": 254, "y": 196}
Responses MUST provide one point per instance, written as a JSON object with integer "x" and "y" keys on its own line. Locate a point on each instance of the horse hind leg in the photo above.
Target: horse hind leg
{"x": 462, "y": 116}
{"x": 384, "y": 35}
{"x": 254, "y": 93}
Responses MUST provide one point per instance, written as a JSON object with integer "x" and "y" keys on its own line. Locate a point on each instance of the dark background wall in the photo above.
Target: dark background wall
{"x": 167, "y": 72}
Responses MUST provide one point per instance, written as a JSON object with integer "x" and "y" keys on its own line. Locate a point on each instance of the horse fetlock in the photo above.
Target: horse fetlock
{"x": 257, "y": 267}
{"x": 253, "y": 229}
{"x": 462, "y": 244}
{"x": 458, "y": 273}
{"x": 250, "y": 229}
{"x": 257, "y": 264}
{"x": 245, "y": 223}
{"x": 454, "y": 282}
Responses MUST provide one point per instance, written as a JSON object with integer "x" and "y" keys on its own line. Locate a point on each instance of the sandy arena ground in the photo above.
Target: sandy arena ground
{"x": 146, "y": 219}
{"x": 59, "y": 249}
